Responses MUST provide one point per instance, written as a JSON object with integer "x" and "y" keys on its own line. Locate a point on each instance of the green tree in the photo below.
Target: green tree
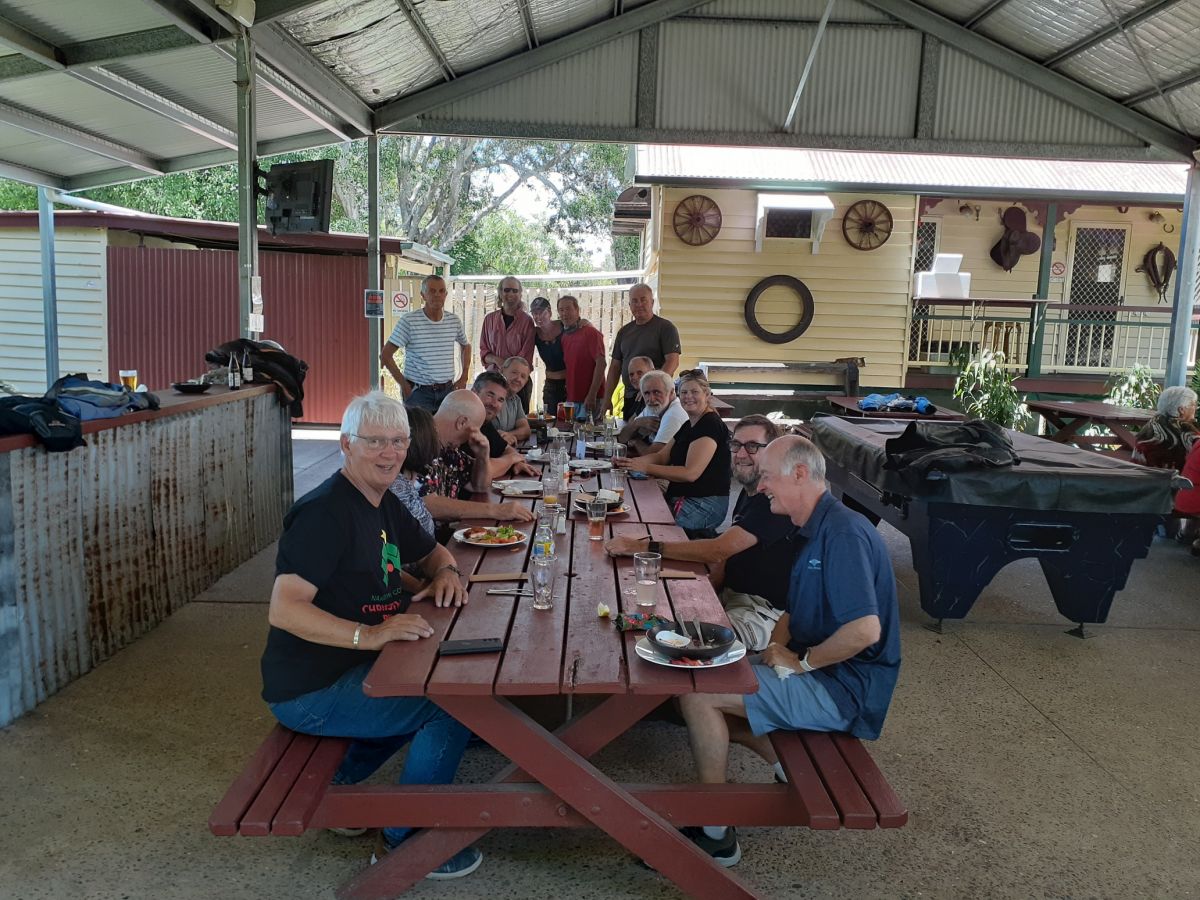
{"x": 504, "y": 242}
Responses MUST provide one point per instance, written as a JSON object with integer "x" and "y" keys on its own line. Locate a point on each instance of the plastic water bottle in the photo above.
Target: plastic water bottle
{"x": 543, "y": 540}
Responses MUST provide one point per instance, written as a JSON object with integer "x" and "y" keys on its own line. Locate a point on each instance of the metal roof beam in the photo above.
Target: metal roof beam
{"x": 1153, "y": 8}
{"x": 112, "y": 83}
{"x": 531, "y": 38}
{"x": 426, "y": 36}
{"x": 293, "y": 60}
{"x": 1035, "y": 75}
{"x": 204, "y": 160}
{"x": 30, "y": 45}
{"x": 1185, "y": 80}
{"x": 18, "y": 172}
{"x": 82, "y": 140}
{"x": 651, "y": 13}
{"x": 101, "y": 51}
{"x": 200, "y": 21}
{"x": 987, "y": 10}
{"x": 293, "y": 96}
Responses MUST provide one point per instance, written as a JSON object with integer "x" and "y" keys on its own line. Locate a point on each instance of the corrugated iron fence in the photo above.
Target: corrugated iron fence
{"x": 167, "y": 307}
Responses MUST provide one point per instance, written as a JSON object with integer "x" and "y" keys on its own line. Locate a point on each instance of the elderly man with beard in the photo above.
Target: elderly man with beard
{"x": 751, "y": 562}
{"x": 661, "y": 416}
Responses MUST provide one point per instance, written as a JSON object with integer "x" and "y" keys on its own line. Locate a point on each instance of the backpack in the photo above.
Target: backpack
{"x": 56, "y": 429}
{"x": 86, "y": 399}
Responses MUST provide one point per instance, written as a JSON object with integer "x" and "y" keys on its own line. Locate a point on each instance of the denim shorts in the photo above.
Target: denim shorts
{"x": 792, "y": 703}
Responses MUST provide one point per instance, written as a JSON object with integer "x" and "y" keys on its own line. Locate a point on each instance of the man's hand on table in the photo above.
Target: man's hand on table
{"x": 523, "y": 468}
{"x": 509, "y": 438}
{"x": 626, "y": 545}
{"x": 778, "y": 655}
{"x": 510, "y": 512}
{"x": 405, "y": 627}
{"x": 446, "y": 589}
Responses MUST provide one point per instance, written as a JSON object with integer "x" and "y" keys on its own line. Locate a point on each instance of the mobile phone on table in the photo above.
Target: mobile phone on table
{"x": 636, "y": 475}
{"x": 478, "y": 645}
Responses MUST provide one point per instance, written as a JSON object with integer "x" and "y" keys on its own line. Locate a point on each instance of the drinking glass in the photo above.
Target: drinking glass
{"x": 619, "y": 451}
{"x": 597, "y": 510}
{"x": 129, "y": 378}
{"x": 541, "y": 579}
{"x": 551, "y": 482}
{"x": 646, "y": 568}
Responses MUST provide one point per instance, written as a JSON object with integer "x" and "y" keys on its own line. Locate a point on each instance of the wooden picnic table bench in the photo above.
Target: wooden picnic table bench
{"x": 550, "y": 782}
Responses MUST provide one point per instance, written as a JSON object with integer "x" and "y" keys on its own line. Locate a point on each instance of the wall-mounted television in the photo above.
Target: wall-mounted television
{"x": 299, "y": 196}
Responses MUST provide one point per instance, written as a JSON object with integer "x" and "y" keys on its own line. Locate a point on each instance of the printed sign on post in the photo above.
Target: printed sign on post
{"x": 399, "y": 302}
{"x": 254, "y": 323}
{"x": 1058, "y": 268}
{"x": 373, "y": 304}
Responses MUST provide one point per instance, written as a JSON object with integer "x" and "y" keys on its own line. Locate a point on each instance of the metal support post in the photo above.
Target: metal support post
{"x": 49, "y": 288}
{"x": 1185, "y": 284}
{"x": 374, "y": 276}
{"x": 249, "y": 289}
{"x": 1037, "y": 316}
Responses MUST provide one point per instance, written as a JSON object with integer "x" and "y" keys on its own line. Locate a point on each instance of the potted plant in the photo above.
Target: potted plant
{"x": 1135, "y": 388}
{"x": 985, "y": 388}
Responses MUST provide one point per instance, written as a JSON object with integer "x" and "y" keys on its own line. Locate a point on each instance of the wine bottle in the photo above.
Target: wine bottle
{"x": 247, "y": 368}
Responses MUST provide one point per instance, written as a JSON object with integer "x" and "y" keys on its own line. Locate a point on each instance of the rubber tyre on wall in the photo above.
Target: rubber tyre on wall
{"x": 806, "y": 309}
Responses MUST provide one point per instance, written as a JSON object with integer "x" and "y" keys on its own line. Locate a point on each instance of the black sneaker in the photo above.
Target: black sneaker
{"x": 726, "y": 851}
{"x": 464, "y": 862}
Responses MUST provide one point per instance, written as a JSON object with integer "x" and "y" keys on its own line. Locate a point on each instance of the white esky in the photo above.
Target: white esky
{"x": 532, "y": 200}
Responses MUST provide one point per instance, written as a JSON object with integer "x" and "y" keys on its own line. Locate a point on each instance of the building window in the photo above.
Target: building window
{"x": 789, "y": 223}
{"x": 927, "y": 245}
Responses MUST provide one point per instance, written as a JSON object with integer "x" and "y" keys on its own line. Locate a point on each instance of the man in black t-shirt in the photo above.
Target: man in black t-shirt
{"x": 751, "y": 562}
{"x": 504, "y": 459}
{"x": 338, "y": 600}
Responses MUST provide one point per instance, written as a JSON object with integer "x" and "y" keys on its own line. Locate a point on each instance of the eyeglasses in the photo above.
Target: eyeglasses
{"x": 751, "y": 447}
{"x": 376, "y": 444}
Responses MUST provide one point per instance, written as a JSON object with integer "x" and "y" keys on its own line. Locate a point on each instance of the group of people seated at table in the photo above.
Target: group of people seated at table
{"x": 807, "y": 583}
{"x": 1171, "y": 440}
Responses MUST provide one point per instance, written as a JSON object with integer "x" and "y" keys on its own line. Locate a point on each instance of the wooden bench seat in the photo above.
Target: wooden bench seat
{"x": 839, "y": 784}
{"x": 281, "y": 786}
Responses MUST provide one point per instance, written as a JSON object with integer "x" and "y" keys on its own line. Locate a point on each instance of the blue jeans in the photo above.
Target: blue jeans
{"x": 380, "y": 727}
{"x": 699, "y": 517}
{"x": 429, "y": 396}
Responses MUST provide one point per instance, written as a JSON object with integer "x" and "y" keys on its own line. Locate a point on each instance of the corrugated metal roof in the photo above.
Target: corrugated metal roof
{"x": 714, "y": 71}
{"x": 670, "y": 164}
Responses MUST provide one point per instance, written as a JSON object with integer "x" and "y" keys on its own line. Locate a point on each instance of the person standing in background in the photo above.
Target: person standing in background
{"x": 548, "y": 340}
{"x": 428, "y": 336}
{"x": 647, "y": 335}
{"x": 508, "y": 331}
{"x": 583, "y": 351}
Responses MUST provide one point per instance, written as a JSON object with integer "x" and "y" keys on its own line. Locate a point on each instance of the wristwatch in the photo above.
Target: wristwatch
{"x": 453, "y": 568}
{"x": 655, "y": 547}
{"x": 804, "y": 663}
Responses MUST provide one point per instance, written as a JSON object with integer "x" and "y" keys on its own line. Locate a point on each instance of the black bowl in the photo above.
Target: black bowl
{"x": 581, "y": 502}
{"x": 190, "y": 387}
{"x": 719, "y": 637}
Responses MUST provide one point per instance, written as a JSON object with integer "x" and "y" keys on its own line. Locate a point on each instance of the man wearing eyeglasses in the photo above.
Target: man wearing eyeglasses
{"x": 751, "y": 562}
{"x": 507, "y": 332}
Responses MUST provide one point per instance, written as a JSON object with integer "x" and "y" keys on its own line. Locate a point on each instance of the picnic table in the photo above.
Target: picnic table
{"x": 1070, "y": 417}
{"x": 568, "y": 651}
{"x": 847, "y": 407}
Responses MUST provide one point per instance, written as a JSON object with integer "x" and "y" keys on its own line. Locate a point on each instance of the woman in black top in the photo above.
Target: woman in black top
{"x": 695, "y": 463}
{"x": 548, "y": 339}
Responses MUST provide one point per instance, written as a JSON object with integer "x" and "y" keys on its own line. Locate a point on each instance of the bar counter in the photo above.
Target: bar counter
{"x": 101, "y": 543}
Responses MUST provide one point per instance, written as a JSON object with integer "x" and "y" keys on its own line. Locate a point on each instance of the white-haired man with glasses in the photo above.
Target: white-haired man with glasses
{"x": 750, "y": 562}
{"x": 338, "y": 599}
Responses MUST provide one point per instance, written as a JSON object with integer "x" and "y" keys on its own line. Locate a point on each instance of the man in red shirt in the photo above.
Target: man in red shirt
{"x": 583, "y": 350}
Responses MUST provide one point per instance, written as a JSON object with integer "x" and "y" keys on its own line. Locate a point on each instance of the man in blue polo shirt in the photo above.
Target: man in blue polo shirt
{"x": 835, "y": 654}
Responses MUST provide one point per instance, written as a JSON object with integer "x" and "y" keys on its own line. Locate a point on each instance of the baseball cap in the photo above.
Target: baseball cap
{"x": 539, "y": 303}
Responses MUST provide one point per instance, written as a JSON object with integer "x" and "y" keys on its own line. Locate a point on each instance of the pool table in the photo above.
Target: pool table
{"x": 1085, "y": 517}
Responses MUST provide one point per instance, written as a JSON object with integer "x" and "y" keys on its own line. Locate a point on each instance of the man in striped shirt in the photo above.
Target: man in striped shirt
{"x": 428, "y": 336}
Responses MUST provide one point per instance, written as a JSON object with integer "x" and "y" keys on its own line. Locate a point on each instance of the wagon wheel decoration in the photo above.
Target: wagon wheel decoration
{"x": 867, "y": 225}
{"x": 697, "y": 220}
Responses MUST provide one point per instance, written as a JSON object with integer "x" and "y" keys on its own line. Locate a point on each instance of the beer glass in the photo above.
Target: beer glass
{"x": 129, "y": 379}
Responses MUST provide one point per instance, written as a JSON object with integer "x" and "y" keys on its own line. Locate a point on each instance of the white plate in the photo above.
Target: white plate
{"x": 596, "y": 445}
{"x": 590, "y": 465}
{"x": 522, "y": 487}
{"x": 460, "y": 536}
{"x": 534, "y": 454}
{"x": 649, "y": 654}
{"x": 619, "y": 511}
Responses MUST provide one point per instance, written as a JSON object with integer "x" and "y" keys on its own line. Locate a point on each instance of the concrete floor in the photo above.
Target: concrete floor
{"x": 1033, "y": 763}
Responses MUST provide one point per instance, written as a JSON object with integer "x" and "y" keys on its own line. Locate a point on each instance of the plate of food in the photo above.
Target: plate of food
{"x": 500, "y": 536}
{"x": 590, "y": 465}
{"x": 581, "y": 508}
{"x": 647, "y": 652}
{"x": 520, "y": 488}
{"x": 611, "y": 499}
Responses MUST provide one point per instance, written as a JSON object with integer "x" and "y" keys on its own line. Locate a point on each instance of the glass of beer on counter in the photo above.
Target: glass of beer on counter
{"x": 129, "y": 378}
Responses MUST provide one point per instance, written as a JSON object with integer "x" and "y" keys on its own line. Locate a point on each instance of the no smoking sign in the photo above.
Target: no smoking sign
{"x": 399, "y": 302}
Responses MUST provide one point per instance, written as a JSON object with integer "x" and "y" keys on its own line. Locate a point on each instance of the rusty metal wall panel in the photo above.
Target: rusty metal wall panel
{"x": 108, "y": 540}
{"x": 167, "y": 307}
